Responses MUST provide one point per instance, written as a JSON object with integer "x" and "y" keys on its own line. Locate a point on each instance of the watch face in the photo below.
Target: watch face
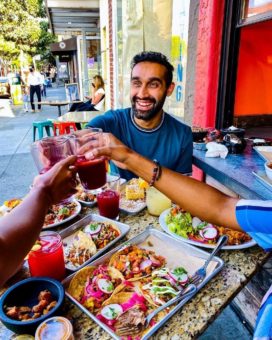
{"x": 62, "y": 44}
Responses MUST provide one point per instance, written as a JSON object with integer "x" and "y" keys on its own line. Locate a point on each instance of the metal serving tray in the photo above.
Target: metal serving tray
{"x": 176, "y": 245}
{"x": 68, "y": 233}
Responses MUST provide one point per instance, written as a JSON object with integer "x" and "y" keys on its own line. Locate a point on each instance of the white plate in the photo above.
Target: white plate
{"x": 77, "y": 211}
{"x": 198, "y": 244}
{"x": 265, "y": 152}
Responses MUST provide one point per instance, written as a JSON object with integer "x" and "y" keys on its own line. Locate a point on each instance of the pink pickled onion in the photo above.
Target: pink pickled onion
{"x": 135, "y": 300}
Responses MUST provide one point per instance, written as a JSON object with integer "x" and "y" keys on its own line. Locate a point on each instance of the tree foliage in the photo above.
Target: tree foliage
{"x": 23, "y": 28}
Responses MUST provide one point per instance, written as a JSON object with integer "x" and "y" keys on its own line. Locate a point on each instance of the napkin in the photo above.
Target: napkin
{"x": 216, "y": 150}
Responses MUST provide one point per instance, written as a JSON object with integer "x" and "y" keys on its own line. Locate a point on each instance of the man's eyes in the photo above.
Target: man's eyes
{"x": 153, "y": 84}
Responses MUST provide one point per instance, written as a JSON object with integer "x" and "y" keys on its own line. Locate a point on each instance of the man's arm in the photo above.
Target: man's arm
{"x": 20, "y": 228}
{"x": 196, "y": 197}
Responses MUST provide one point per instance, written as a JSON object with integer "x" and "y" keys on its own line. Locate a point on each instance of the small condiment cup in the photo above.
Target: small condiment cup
{"x": 57, "y": 328}
{"x": 268, "y": 169}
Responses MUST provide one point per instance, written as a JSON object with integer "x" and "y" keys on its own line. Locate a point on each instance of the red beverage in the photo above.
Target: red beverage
{"x": 44, "y": 170}
{"x": 49, "y": 259}
{"x": 92, "y": 173}
{"x": 108, "y": 203}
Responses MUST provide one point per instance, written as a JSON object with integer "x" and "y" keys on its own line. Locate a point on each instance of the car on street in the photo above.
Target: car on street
{"x": 4, "y": 87}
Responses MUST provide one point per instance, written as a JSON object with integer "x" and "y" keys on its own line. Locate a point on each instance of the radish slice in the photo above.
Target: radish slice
{"x": 105, "y": 286}
{"x": 92, "y": 229}
{"x": 209, "y": 233}
{"x": 145, "y": 264}
{"x": 182, "y": 278}
{"x": 196, "y": 221}
{"x": 112, "y": 311}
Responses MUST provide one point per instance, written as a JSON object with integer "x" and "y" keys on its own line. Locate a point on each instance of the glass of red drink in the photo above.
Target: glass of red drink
{"x": 108, "y": 199}
{"x": 50, "y": 150}
{"x": 46, "y": 258}
{"x": 92, "y": 173}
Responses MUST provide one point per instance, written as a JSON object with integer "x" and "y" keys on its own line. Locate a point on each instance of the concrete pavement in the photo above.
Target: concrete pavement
{"x": 17, "y": 168}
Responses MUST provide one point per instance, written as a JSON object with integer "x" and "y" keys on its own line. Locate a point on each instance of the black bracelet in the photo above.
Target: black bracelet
{"x": 156, "y": 173}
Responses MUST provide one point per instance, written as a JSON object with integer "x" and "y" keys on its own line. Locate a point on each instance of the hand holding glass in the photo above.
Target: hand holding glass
{"x": 92, "y": 173}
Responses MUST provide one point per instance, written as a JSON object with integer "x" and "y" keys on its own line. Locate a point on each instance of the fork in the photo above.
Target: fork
{"x": 200, "y": 274}
{"x": 189, "y": 291}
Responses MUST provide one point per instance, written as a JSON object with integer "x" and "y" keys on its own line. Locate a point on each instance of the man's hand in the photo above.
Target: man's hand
{"x": 60, "y": 181}
{"x": 112, "y": 149}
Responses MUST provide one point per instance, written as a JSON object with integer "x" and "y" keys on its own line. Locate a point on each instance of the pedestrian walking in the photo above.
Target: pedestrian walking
{"x": 35, "y": 82}
{"x": 25, "y": 92}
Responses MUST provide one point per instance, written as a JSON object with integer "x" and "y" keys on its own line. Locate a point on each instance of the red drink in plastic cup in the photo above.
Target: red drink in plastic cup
{"x": 108, "y": 203}
{"x": 92, "y": 173}
{"x": 49, "y": 259}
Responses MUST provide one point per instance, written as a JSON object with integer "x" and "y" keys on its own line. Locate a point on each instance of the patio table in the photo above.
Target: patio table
{"x": 58, "y": 104}
{"x": 79, "y": 116}
{"x": 196, "y": 315}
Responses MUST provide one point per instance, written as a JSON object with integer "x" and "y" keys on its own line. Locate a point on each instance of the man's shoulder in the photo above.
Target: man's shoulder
{"x": 177, "y": 122}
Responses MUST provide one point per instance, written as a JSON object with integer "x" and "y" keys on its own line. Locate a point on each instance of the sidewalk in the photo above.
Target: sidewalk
{"x": 17, "y": 168}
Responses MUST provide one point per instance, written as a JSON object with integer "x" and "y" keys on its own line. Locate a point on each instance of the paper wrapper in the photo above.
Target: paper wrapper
{"x": 176, "y": 256}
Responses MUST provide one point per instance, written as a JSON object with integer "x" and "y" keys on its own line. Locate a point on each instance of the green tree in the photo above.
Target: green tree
{"x": 23, "y": 29}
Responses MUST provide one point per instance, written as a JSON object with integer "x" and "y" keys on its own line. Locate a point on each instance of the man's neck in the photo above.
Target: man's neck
{"x": 149, "y": 124}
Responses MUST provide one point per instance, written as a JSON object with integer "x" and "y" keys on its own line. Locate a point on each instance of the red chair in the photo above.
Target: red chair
{"x": 63, "y": 128}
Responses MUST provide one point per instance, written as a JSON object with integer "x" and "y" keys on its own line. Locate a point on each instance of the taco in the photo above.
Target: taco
{"x": 125, "y": 313}
{"x": 134, "y": 262}
{"x": 163, "y": 285}
{"x": 102, "y": 233}
{"x": 91, "y": 286}
{"x": 80, "y": 250}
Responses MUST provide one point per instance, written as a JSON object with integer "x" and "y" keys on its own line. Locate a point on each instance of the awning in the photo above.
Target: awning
{"x": 70, "y": 17}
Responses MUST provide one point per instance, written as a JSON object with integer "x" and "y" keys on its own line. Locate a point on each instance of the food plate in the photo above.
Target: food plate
{"x": 164, "y": 226}
{"x": 175, "y": 253}
{"x": 265, "y": 152}
{"x": 75, "y": 211}
{"x": 262, "y": 178}
{"x": 131, "y": 206}
{"x": 69, "y": 233}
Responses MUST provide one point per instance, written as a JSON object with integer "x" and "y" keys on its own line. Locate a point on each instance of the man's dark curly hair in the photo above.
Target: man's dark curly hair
{"x": 155, "y": 57}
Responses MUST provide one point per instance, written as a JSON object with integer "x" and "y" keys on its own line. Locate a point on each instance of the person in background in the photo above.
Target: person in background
{"x": 35, "y": 81}
{"x": 43, "y": 86}
{"x": 251, "y": 216}
{"x": 145, "y": 127}
{"x": 25, "y": 94}
{"x": 95, "y": 102}
{"x": 20, "y": 228}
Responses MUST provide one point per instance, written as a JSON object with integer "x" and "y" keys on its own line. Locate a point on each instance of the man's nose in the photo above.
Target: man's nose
{"x": 143, "y": 91}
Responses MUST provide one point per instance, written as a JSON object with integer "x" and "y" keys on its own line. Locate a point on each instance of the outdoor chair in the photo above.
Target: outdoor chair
{"x": 46, "y": 124}
{"x": 63, "y": 128}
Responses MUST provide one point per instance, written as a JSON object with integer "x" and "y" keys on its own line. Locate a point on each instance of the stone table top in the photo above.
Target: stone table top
{"x": 196, "y": 315}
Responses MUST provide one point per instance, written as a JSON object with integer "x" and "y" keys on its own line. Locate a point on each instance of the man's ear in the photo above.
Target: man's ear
{"x": 170, "y": 89}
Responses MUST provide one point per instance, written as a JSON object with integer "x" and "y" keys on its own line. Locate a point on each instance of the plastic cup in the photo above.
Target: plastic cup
{"x": 156, "y": 201}
{"x": 48, "y": 258}
{"x": 108, "y": 200}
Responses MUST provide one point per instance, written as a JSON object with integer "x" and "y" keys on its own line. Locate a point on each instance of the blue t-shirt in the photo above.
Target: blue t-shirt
{"x": 170, "y": 143}
{"x": 255, "y": 218}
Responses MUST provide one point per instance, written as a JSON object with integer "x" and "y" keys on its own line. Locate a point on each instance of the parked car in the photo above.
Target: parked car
{"x": 4, "y": 87}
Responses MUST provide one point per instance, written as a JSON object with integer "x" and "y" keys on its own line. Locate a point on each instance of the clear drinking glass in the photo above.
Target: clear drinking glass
{"x": 50, "y": 150}
{"x": 92, "y": 173}
{"x": 108, "y": 200}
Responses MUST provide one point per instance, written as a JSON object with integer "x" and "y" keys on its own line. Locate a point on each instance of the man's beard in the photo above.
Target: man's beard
{"x": 147, "y": 115}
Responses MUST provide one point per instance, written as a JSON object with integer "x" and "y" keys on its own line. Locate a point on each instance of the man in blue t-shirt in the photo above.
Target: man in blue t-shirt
{"x": 145, "y": 127}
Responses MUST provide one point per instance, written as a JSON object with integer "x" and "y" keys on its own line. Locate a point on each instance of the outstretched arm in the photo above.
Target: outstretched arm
{"x": 196, "y": 197}
{"x": 20, "y": 228}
